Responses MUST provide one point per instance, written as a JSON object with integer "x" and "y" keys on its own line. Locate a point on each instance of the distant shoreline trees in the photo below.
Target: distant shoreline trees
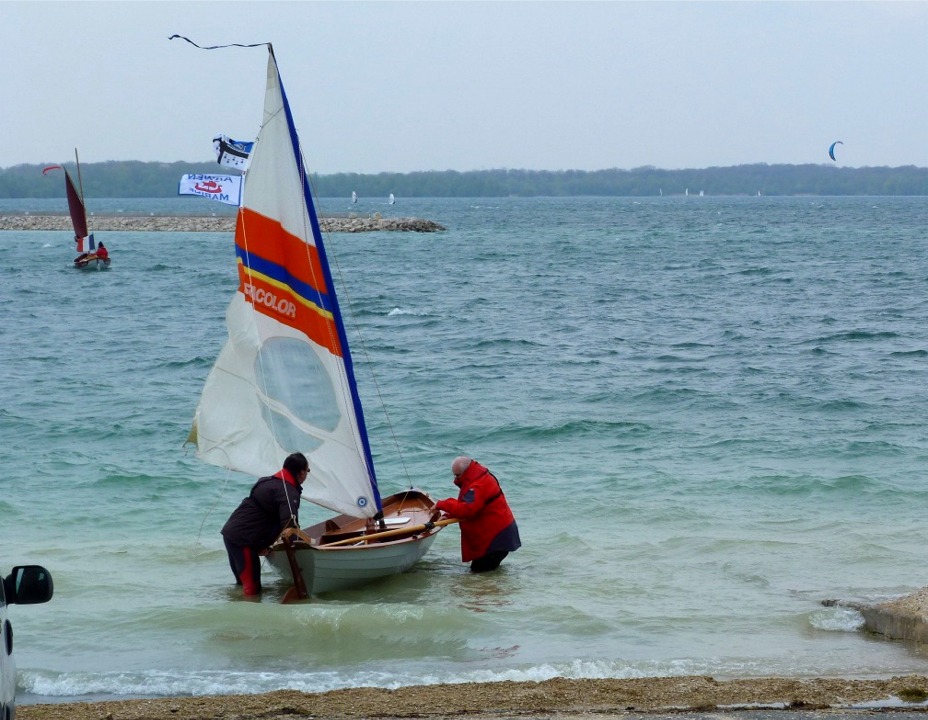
{"x": 131, "y": 179}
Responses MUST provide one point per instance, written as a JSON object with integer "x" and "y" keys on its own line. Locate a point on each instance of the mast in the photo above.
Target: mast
{"x": 80, "y": 183}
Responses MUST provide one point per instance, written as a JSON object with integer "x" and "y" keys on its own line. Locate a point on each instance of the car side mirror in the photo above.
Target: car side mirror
{"x": 28, "y": 585}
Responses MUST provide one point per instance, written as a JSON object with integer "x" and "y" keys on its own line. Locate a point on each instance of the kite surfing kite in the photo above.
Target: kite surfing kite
{"x": 831, "y": 150}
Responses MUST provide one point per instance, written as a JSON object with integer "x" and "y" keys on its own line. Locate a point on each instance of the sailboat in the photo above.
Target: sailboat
{"x": 284, "y": 381}
{"x": 392, "y": 199}
{"x": 89, "y": 256}
{"x": 354, "y": 196}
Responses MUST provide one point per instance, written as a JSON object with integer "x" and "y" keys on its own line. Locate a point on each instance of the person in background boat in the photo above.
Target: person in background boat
{"x": 102, "y": 252}
{"x": 271, "y": 508}
{"x": 488, "y": 528}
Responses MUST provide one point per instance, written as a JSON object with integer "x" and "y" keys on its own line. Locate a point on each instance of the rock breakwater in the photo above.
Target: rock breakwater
{"x": 180, "y": 223}
{"x": 904, "y": 618}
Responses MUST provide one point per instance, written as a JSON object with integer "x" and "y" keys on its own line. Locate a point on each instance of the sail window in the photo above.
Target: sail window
{"x": 308, "y": 396}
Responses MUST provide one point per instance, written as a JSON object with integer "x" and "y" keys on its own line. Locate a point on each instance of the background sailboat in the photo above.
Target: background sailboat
{"x": 285, "y": 382}
{"x": 87, "y": 256}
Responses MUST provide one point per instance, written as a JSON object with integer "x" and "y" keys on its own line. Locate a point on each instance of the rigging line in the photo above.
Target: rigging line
{"x": 367, "y": 360}
{"x": 271, "y": 415}
{"x": 344, "y": 384}
{"x": 222, "y": 491}
{"x": 334, "y": 341}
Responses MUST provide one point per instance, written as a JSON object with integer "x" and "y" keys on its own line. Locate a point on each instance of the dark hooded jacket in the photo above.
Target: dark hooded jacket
{"x": 272, "y": 505}
{"x": 487, "y": 522}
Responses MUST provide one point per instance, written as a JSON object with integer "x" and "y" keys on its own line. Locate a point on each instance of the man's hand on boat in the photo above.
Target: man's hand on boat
{"x": 295, "y": 533}
{"x": 437, "y": 515}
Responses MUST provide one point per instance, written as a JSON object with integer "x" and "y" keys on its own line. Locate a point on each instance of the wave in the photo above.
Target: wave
{"x": 855, "y": 336}
{"x": 567, "y": 430}
{"x": 400, "y": 311}
{"x": 808, "y": 485}
{"x": 40, "y": 686}
{"x": 198, "y": 361}
{"x": 837, "y": 619}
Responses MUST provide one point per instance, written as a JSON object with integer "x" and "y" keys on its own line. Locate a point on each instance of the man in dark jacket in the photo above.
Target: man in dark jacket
{"x": 272, "y": 506}
{"x": 488, "y": 528}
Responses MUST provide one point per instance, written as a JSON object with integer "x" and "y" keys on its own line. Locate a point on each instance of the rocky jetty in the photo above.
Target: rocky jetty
{"x": 904, "y": 618}
{"x": 152, "y": 223}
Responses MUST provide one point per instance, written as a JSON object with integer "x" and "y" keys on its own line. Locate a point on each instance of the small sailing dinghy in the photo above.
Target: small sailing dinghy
{"x": 90, "y": 256}
{"x": 284, "y": 381}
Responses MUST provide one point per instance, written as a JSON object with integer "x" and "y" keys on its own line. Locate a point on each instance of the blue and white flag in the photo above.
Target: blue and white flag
{"x": 224, "y": 188}
{"x": 232, "y": 153}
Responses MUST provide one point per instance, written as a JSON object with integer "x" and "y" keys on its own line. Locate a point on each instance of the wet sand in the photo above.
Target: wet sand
{"x": 557, "y": 698}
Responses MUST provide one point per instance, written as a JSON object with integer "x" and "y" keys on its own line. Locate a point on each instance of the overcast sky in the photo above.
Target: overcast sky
{"x": 445, "y": 85}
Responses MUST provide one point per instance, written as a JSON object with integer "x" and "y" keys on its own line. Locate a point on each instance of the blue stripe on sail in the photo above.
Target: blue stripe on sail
{"x": 336, "y": 312}
{"x": 281, "y": 275}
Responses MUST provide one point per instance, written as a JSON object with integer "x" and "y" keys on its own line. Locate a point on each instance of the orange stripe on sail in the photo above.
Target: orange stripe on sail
{"x": 265, "y": 237}
{"x": 280, "y": 275}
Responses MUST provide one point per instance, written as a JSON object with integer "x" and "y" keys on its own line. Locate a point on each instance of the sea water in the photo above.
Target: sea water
{"x": 708, "y": 415}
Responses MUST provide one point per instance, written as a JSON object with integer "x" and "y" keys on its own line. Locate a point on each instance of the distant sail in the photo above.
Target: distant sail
{"x": 75, "y": 208}
{"x": 354, "y": 196}
{"x": 392, "y": 199}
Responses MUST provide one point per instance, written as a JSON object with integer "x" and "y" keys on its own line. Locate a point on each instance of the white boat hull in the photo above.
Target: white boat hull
{"x": 92, "y": 264}
{"x": 342, "y": 567}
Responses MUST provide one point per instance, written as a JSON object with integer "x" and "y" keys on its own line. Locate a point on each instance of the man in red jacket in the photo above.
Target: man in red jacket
{"x": 488, "y": 528}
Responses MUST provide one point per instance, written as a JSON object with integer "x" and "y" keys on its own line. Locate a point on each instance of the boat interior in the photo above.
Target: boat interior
{"x": 409, "y": 509}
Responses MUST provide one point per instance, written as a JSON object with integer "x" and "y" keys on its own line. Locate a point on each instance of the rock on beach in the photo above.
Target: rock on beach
{"x": 904, "y": 618}
{"x": 180, "y": 223}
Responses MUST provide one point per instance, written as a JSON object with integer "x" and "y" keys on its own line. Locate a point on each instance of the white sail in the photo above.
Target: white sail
{"x": 284, "y": 382}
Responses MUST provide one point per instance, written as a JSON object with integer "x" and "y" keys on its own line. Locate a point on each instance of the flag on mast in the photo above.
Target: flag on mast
{"x": 232, "y": 153}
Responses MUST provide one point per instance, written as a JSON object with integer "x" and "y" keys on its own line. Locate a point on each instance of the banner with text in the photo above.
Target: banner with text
{"x": 224, "y": 188}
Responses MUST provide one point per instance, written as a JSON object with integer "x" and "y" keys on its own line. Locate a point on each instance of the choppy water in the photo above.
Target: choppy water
{"x": 708, "y": 415}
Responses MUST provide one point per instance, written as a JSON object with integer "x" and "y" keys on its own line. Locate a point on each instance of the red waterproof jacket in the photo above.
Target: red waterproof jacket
{"x": 487, "y": 522}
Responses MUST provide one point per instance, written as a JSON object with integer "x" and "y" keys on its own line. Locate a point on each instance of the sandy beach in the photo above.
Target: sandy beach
{"x": 552, "y": 698}
{"x": 152, "y": 223}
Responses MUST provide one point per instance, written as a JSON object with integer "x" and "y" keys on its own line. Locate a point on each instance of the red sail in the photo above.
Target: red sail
{"x": 76, "y": 206}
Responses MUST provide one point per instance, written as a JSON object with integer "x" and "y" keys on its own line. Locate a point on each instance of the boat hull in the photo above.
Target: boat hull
{"x": 92, "y": 264}
{"x": 326, "y": 568}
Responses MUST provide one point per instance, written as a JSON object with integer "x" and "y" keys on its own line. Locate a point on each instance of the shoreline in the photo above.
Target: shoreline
{"x": 556, "y": 697}
{"x": 349, "y": 223}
